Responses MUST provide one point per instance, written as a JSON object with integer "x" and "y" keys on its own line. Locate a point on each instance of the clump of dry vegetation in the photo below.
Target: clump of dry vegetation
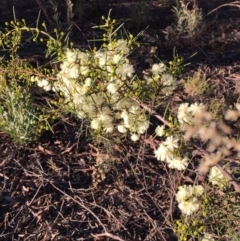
{"x": 197, "y": 84}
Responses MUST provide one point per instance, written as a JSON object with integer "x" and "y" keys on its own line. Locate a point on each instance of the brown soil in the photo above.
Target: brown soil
{"x": 46, "y": 190}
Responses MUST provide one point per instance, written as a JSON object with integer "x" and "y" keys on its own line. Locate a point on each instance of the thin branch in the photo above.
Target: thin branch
{"x": 80, "y": 204}
{"x": 107, "y": 235}
{"x": 151, "y": 111}
{"x": 230, "y": 178}
{"x": 233, "y": 4}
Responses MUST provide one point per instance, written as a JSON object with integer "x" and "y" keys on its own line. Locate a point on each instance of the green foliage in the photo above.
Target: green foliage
{"x": 176, "y": 66}
{"x": 21, "y": 117}
{"x": 218, "y": 217}
{"x": 235, "y": 235}
{"x": 223, "y": 213}
{"x": 18, "y": 114}
{"x": 11, "y": 38}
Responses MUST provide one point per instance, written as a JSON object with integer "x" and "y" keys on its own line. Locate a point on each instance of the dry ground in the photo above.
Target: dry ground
{"x": 47, "y": 191}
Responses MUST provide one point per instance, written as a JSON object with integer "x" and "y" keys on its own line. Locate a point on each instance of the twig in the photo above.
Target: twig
{"x": 230, "y": 178}
{"x": 79, "y": 29}
{"x": 29, "y": 204}
{"x": 233, "y": 4}
{"x": 106, "y": 233}
{"x": 151, "y": 111}
{"x": 7, "y": 159}
{"x": 80, "y": 204}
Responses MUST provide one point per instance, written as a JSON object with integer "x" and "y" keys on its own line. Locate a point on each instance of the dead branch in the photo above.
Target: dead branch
{"x": 106, "y": 233}
{"x": 233, "y": 4}
{"x": 151, "y": 111}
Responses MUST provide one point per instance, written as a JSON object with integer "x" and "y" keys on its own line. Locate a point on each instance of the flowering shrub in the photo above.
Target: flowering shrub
{"x": 99, "y": 85}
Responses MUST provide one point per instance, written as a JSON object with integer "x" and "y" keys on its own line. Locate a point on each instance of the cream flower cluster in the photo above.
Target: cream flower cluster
{"x": 187, "y": 113}
{"x": 160, "y": 130}
{"x": 217, "y": 178}
{"x": 207, "y": 237}
{"x": 188, "y": 198}
{"x": 132, "y": 118}
{"x": 93, "y": 84}
{"x": 112, "y": 61}
{"x": 43, "y": 83}
{"x": 167, "y": 150}
{"x": 167, "y": 82}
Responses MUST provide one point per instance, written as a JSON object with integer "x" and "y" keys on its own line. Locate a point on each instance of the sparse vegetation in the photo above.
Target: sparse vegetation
{"x": 110, "y": 140}
{"x": 197, "y": 84}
